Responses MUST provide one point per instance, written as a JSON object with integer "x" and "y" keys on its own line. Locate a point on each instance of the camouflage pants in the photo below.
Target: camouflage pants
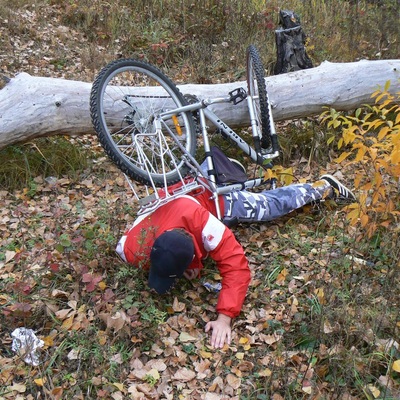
{"x": 244, "y": 206}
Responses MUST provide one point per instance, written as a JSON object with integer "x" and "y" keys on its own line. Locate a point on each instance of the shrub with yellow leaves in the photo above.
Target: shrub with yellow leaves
{"x": 371, "y": 143}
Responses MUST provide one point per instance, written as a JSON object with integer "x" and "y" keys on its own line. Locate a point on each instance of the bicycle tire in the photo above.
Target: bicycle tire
{"x": 126, "y": 98}
{"x": 258, "y": 93}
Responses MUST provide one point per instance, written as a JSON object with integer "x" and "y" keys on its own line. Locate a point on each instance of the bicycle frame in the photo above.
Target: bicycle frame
{"x": 264, "y": 160}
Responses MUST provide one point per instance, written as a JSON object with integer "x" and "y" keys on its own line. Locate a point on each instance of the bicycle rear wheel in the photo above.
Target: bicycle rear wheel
{"x": 127, "y": 100}
{"x": 258, "y": 93}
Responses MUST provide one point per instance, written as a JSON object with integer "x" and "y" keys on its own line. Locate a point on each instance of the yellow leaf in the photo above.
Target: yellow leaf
{"x": 240, "y": 356}
{"x": 396, "y": 366}
{"x": 374, "y": 390}
{"x": 268, "y": 175}
{"x": 48, "y": 341}
{"x": 349, "y": 135}
{"x": 395, "y": 157}
{"x": 102, "y": 285}
{"x": 243, "y": 340}
{"x": 330, "y": 140}
{"x": 383, "y": 132}
{"x": 280, "y": 279}
{"x": 373, "y": 153}
{"x": 102, "y": 337}
{"x": 360, "y": 153}
{"x": 119, "y": 386}
{"x": 320, "y": 295}
{"x": 287, "y": 176}
{"x": 342, "y": 157}
{"x": 205, "y": 354}
{"x": 39, "y": 381}
{"x": 67, "y": 324}
{"x": 364, "y": 220}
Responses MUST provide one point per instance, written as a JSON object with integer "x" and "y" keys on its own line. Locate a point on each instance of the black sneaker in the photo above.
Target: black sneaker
{"x": 340, "y": 191}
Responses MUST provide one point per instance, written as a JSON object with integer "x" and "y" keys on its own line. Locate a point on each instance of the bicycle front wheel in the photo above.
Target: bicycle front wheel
{"x": 131, "y": 106}
{"x": 258, "y": 93}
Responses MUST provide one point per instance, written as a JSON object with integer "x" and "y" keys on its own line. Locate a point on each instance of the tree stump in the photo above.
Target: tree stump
{"x": 290, "y": 41}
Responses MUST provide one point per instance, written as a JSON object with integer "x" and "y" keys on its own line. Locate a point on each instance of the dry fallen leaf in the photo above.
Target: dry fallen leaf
{"x": 233, "y": 381}
{"x": 9, "y": 255}
{"x": 184, "y": 375}
{"x": 178, "y": 306}
{"x": 185, "y": 337}
{"x": 18, "y": 387}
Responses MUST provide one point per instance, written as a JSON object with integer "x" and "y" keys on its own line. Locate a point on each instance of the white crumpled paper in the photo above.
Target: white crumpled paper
{"x": 26, "y": 344}
{"x": 212, "y": 287}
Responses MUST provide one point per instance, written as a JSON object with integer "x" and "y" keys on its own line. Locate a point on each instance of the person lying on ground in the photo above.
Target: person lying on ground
{"x": 172, "y": 240}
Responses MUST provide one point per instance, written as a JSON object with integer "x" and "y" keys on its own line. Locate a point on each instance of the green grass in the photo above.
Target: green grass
{"x": 45, "y": 158}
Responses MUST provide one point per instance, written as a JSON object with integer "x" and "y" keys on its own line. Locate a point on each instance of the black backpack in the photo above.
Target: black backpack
{"x": 226, "y": 170}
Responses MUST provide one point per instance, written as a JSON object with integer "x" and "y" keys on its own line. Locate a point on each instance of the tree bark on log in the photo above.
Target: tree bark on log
{"x": 32, "y": 107}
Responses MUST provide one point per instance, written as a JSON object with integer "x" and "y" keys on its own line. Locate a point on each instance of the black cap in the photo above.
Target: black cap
{"x": 171, "y": 254}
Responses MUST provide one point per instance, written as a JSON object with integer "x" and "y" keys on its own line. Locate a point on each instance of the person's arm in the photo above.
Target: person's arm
{"x": 234, "y": 269}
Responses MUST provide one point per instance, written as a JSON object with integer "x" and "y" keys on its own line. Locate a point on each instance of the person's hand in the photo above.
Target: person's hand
{"x": 191, "y": 273}
{"x": 221, "y": 331}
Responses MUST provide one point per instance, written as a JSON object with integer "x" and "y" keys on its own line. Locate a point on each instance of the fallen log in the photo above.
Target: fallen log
{"x": 32, "y": 107}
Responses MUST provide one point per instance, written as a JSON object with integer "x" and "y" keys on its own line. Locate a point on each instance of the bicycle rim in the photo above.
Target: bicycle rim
{"x": 127, "y": 99}
{"x": 258, "y": 93}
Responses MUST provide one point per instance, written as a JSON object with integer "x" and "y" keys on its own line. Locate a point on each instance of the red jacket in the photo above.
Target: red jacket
{"x": 210, "y": 237}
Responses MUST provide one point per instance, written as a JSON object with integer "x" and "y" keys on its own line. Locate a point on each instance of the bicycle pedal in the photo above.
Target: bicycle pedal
{"x": 237, "y": 96}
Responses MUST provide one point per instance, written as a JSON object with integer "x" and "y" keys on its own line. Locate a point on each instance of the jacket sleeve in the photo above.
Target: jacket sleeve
{"x": 232, "y": 264}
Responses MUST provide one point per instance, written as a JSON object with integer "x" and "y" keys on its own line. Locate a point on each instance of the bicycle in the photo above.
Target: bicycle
{"x": 150, "y": 130}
